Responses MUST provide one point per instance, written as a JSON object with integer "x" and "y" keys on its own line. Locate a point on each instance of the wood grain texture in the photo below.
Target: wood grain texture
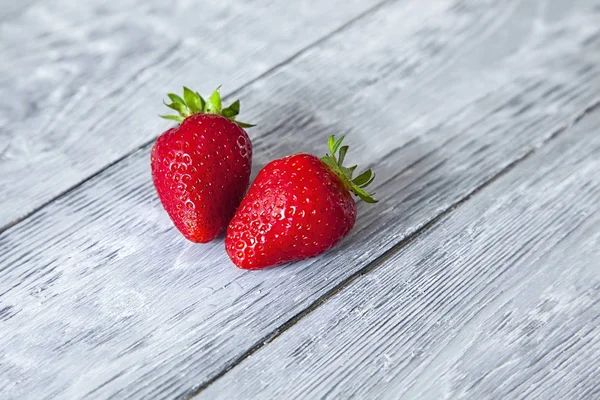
{"x": 102, "y": 297}
{"x": 501, "y": 300}
{"x": 82, "y": 84}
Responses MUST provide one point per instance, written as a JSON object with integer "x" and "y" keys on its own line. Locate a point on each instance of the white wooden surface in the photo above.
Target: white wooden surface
{"x": 101, "y": 297}
{"x": 83, "y": 83}
{"x": 501, "y": 300}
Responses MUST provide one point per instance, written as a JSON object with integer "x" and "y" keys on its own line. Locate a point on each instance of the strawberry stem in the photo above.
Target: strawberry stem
{"x": 336, "y": 164}
{"x": 192, "y": 103}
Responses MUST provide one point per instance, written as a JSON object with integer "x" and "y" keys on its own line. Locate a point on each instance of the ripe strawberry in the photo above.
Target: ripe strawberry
{"x": 201, "y": 168}
{"x": 298, "y": 207}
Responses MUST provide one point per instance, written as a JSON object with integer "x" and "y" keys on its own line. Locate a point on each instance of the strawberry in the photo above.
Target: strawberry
{"x": 298, "y": 207}
{"x": 201, "y": 168}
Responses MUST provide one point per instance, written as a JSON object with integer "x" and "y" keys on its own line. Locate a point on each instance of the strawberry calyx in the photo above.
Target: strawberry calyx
{"x": 336, "y": 164}
{"x": 192, "y": 103}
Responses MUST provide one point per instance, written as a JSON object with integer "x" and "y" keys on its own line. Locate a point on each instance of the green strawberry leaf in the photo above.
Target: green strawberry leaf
{"x": 232, "y": 110}
{"x": 202, "y": 102}
{"x": 342, "y": 155}
{"x": 330, "y": 161}
{"x": 235, "y": 107}
{"x": 355, "y": 185}
{"x": 193, "y": 103}
{"x": 175, "y": 99}
{"x": 364, "y": 196}
{"x": 330, "y": 143}
{"x": 336, "y": 146}
{"x": 213, "y": 106}
{"x": 180, "y": 108}
{"x": 368, "y": 182}
{"x": 192, "y": 100}
{"x": 362, "y": 178}
{"x": 177, "y": 118}
{"x": 244, "y": 124}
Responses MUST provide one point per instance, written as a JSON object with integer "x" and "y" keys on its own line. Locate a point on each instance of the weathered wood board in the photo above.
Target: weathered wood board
{"x": 82, "y": 84}
{"x": 500, "y": 300}
{"x": 101, "y": 296}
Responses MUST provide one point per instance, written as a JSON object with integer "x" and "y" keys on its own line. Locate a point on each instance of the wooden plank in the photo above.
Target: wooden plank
{"x": 82, "y": 85}
{"x": 501, "y": 300}
{"x": 11, "y": 9}
{"x": 102, "y": 296}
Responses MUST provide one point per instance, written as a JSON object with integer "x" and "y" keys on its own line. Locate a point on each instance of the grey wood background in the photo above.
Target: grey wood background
{"x": 82, "y": 83}
{"x": 475, "y": 276}
{"x": 500, "y": 299}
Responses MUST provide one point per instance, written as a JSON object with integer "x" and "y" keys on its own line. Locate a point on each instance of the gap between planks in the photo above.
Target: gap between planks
{"x": 266, "y": 340}
{"x": 148, "y": 143}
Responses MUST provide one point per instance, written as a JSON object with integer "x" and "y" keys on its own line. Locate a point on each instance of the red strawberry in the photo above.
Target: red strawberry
{"x": 298, "y": 207}
{"x": 201, "y": 168}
